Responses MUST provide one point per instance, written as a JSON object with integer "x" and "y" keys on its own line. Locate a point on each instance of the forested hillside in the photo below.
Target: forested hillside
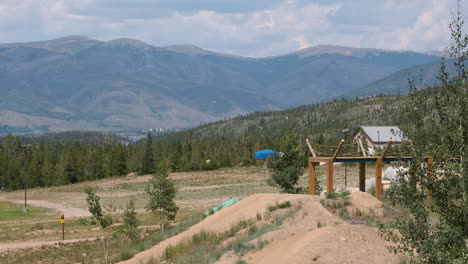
{"x": 324, "y": 119}
{"x": 72, "y": 157}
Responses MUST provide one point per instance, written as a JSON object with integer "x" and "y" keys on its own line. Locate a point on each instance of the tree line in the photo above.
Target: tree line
{"x": 52, "y": 163}
{"x": 66, "y": 158}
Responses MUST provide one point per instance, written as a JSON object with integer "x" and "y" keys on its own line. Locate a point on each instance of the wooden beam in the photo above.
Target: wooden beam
{"x": 388, "y": 148}
{"x": 365, "y": 159}
{"x": 310, "y": 148}
{"x": 338, "y": 149}
{"x": 320, "y": 159}
{"x": 378, "y": 177}
{"x": 364, "y": 154}
{"x": 362, "y": 176}
{"x": 312, "y": 179}
{"x": 330, "y": 175}
{"x": 429, "y": 175}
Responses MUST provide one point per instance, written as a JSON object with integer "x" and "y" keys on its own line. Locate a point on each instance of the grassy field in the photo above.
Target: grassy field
{"x": 14, "y": 212}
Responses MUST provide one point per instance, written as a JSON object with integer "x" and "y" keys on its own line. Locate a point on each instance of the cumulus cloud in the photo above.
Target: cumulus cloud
{"x": 250, "y": 28}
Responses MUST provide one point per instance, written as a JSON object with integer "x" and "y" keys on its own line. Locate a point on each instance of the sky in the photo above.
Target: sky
{"x": 253, "y": 28}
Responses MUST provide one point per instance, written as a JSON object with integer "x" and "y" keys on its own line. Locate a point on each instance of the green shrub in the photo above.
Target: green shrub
{"x": 83, "y": 221}
{"x": 332, "y": 195}
{"x": 130, "y": 220}
{"x": 125, "y": 254}
{"x": 285, "y": 204}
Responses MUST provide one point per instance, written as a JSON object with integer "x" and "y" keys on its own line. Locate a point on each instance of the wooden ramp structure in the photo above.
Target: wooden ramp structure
{"x": 379, "y": 161}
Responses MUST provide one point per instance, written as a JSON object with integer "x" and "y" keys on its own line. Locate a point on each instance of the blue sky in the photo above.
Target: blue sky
{"x": 255, "y": 28}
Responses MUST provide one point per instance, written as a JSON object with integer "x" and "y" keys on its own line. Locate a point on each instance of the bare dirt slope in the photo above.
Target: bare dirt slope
{"x": 313, "y": 235}
{"x": 330, "y": 244}
{"x": 366, "y": 204}
{"x": 227, "y": 217}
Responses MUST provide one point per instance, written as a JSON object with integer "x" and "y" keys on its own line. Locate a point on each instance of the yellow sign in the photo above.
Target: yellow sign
{"x": 62, "y": 219}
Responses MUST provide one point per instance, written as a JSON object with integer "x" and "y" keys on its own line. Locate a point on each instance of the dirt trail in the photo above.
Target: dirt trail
{"x": 68, "y": 211}
{"x": 331, "y": 244}
{"x": 19, "y": 245}
{"x": 338, "y": 242}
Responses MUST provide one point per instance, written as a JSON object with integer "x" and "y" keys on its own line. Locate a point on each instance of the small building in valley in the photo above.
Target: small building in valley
{"x": 377, "y": 137}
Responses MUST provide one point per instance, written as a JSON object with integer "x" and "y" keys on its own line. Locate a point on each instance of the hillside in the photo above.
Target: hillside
{"x": 127, "y": 84}
{"x": 423, "y": 75}
{"x": 327, "y": 119}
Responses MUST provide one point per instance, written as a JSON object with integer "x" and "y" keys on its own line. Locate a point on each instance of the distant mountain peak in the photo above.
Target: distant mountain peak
{"x": 189, "y": 49}
{"x": 343, "y": 50}
{"x": 66, "y": 44}
{"x": 333, "y": 49}
{"x": 73, "y": 37}
{"x": 127, "y": 42}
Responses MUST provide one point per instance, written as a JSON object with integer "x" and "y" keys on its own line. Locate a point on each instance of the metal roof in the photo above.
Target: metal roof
{"x": 383, "y": 133}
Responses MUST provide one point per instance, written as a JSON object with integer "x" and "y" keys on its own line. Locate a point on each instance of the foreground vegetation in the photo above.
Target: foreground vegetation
{"x": 436, "y": 195}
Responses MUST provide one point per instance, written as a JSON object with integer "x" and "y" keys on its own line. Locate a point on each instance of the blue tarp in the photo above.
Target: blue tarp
{"x": 264, "y": 154}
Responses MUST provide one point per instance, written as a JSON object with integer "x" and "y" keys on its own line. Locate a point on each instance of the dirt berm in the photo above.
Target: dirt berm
{"x": 312, "y": 235}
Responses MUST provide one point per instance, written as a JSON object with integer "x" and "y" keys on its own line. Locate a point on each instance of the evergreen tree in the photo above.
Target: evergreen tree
{"x": 162, "y": 192}
{"x": 287, "y": 166}
{"x": 147, "y": 161}
{"x": 118, "y": 162}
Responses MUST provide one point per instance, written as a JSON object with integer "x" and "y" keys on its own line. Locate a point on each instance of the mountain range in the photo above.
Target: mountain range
{"x": 126, "y": 84}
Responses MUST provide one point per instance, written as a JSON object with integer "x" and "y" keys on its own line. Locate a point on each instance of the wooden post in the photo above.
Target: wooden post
{"x": 338, "y": 149}
{"x": 362, "y": 176}
{"x": 388, "y": 148}
{"x": 330, "y": 175}
{"x": 62, "y": 220}
{"x": 429, "y": 175}
{"x": 378, "y": 177}
{"x": 363, "y": 150}
{"x": 311, "y": 178}
{"x": 310, "y": 148}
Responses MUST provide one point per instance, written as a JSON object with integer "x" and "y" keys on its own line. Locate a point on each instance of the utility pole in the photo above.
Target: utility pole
{"x": 25, "y": 181}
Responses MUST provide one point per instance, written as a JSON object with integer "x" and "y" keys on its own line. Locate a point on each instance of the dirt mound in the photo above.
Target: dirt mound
{"x": 247, "y": 208}
{"x": 311, "y": 235}
{"x": 363, "y": 203}
{"x": 342, "y": 243}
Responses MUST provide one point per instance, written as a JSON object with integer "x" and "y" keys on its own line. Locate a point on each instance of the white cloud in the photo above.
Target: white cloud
{"x": 270, "y": 28}
{"x": 430, "y": 28}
